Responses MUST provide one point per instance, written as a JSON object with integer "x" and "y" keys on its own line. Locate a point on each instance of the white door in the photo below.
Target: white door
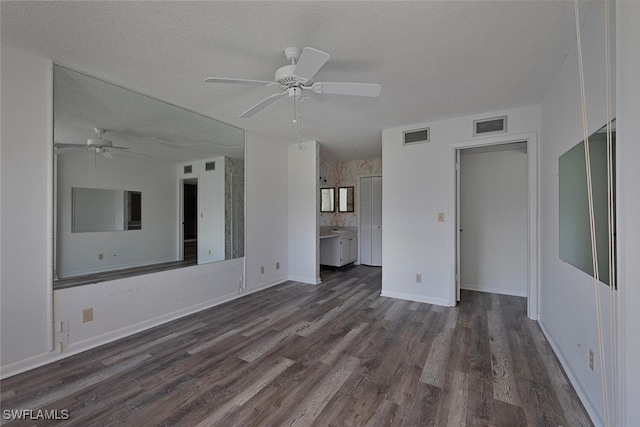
{"x": 458, "y": 229}
{"x": 371, "y": 221}
{"x": 376, "y": 223}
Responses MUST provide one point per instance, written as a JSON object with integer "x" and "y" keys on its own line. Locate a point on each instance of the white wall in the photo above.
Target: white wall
{"x": 567, "y": 295}
{"x": 628, "y": 206}
{"x": 493, "y": 214}
{"x": 418, "y": 184}
{"x": 121, "y": 307}
{"x": 266, "y": 212}
{"x": 26, "y": 172}
{"x": 77, "y": 253}
{"x": 304, "y": 247}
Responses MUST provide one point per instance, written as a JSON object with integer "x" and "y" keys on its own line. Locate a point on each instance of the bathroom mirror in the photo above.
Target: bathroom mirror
{"x": 345, "y": 199}
{"x": 187, "y": 171}
{"x": 97, "y": 209}
{"x": 327, "y": 199}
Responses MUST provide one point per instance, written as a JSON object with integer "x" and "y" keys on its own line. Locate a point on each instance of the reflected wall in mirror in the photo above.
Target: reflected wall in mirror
{"x": 146, "y": 146}
{"x": 97, "y": 209}
{"x": 345, "y": 199}
{"x": 327, "y": 200}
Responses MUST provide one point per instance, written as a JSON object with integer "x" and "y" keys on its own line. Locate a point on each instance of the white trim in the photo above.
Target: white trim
{"x": 417, "y": 298}
{"x": 573, "y": 379}
{"x": 532, "y": 155}
{"x": 493, "y": 290}
{"x": 307, "y": 280}
{"x": 264, "y": 285}
{"x": 51, "y": 214}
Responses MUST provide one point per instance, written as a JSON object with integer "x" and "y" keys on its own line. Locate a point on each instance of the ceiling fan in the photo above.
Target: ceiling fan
{"x": 296, "y": 80}
{"x": 97, "y": 145}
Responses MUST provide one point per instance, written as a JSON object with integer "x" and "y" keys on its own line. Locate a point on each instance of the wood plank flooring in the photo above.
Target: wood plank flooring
{"x": 336, "y": 354}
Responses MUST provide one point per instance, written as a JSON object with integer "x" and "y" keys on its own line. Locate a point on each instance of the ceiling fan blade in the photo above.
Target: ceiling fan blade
{"x": 310, "y": 61}
{"x": 261, "y": 105}
{"x": 354, "y": 89}
{"x": 128, "y": 152}
{"x": 59, "y": 145}
{"x": 238, "y": 81}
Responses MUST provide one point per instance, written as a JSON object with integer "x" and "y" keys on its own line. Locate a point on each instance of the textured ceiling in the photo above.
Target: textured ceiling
{"x": 433, "y": 59}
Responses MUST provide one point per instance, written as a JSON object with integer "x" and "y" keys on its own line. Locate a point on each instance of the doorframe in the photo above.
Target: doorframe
{"x": 360, "y": 177}
{"x": 182, "y": 181}
{"x": 532, "y": 217}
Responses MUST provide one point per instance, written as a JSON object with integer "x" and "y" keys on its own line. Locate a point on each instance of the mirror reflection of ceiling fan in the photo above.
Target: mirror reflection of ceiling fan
{"x": 98, "y": 145}
{"x": 296, "y": 80}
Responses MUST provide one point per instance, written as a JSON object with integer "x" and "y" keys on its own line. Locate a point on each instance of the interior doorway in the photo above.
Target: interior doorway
{"x": 531, "y": 215}
{"x": 190, "y": 220}
{"x": 493, "y": 218}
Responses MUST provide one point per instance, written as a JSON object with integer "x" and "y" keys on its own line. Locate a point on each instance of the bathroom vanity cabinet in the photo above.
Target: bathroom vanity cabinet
{"x": 339, "y": 250}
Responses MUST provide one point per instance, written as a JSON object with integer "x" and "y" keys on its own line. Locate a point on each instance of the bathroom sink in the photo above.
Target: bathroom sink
{"x": 340, "y": 231}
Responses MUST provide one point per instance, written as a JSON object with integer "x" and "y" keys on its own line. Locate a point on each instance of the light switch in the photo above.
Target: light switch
{"x": 440, "y": 216}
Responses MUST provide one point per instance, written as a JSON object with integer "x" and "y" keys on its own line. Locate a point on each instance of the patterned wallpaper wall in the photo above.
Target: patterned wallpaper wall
{"x": 345, "y": 174}
{"x": 233, "y": 168}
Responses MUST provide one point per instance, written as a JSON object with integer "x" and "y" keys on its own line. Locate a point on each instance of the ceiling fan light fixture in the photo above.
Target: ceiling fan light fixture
{"x": 99, "y": 142}
{"x": 297, "y": 78}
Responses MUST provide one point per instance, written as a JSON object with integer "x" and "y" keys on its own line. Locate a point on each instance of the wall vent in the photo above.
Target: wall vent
{"x": 210, "y": 166}
{"x": 490, "y": 126}
{"x": 416, "y": 136}
{"x": 188, "y": 169}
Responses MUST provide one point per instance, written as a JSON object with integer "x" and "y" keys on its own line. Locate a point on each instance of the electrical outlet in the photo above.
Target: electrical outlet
{"x": 87, "y": 315}
{"x": 278, "y": 265}
{"x": 262, "y": 269}
{"x": 209, "y": 251}
{"x": 591, "y": 359}
{"x": 418, "y": 278}
{"x": 100, "y": 256}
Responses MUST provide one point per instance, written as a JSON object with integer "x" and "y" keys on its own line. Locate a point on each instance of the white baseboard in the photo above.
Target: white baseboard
{"x": 264, "y": 285}
{"x": 33, "y": 362}
{"x": 304, "y": 279}
{"x": 493, "y": 290}
{"x": 596, "y": 417}
{"x": 417, "y": 298}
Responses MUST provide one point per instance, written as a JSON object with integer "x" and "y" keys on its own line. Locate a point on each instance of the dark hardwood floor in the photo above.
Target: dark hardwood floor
{"x": 334, "y": 354}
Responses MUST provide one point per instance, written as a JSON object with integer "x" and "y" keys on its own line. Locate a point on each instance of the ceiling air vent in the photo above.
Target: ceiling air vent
{"x": 490, "y": 126}
{"x": 188, "y": 169}
{"x": 416, "y": 136}
{"x": 210, "y": 166}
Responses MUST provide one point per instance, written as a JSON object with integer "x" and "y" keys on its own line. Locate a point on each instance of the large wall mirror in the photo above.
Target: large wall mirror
{"x": 574, "y": 221}
{"x": 140, "y": 185}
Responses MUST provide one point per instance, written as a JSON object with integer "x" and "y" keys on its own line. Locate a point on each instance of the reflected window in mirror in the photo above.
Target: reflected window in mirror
{"x": 109, "y": 140}
{"x": 327, "y": 200}
{"x": 345, "y": 199}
